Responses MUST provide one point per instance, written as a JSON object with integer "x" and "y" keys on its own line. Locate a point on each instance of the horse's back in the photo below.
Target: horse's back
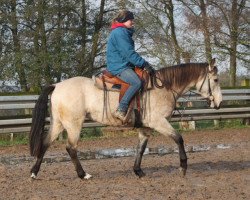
{"x": 72, "y": 83}
{"x": 73, "y": 98}
{"x": 68, "y": 98}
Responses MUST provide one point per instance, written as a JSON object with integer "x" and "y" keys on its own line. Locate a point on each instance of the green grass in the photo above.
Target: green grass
{"x": 96, "y": 133}
{"x": 210, "y": 124}
{"x": 18, "y": 139}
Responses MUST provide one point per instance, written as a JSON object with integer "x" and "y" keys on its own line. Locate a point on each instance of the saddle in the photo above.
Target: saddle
{"x": 107, "y": 82}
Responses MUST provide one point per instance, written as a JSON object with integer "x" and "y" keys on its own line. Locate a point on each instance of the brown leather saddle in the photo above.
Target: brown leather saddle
{"x": 107, "y": 81}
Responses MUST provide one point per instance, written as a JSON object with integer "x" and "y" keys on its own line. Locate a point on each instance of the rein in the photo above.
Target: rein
{"x": 154, "y": 82}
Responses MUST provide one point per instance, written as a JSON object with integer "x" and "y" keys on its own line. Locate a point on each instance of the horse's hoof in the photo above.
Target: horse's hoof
{"x": 183, "y": 171}
{"x": 183, "y": 166}
{"x": 87, "y": 176}
{"x": 33, "y": 176}
{"x": 139, "y": 173}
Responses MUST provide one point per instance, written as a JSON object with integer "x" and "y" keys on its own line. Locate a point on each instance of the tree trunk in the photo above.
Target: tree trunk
{"x": 96, "y": 35}
{"x": 37, "y": 73}
{"x": 1, "y": 41}
{"x": 233, "y": 42}
{"x": 58, "y": 47}
{"x": 170, "y": 13}
{"x": 17, "y": 48}
{"x": 44, "y": 56}
{"x": 83, "y": 32}
{"x": 205, "y": 29}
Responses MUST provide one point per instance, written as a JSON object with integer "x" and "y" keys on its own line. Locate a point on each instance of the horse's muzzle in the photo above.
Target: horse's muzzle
{"x": 210, "y": 101}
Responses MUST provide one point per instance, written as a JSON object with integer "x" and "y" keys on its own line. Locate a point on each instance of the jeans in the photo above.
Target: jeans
{"x": 129, "y": 76}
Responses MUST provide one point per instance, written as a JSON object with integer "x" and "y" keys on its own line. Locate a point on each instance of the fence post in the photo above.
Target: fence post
{"x": 11, "y": 137}
{"x": 246, "y": 82}
{"x": 189, "y": 125}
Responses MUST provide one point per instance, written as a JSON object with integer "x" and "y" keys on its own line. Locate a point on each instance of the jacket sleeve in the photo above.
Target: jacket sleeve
{"x": 125, "y": 46}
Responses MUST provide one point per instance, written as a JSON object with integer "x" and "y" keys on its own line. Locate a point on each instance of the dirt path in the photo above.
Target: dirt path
{"x": 214, "y": 174}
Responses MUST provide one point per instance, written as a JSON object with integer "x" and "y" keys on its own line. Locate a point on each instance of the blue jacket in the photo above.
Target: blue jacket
{"x": 121, "y": 51}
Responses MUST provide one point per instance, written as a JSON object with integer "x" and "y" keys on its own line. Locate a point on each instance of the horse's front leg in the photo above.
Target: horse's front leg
{"x": 143, "y": 140}
{"x": 182, "y": 153}
{"x": 165, "y": 128}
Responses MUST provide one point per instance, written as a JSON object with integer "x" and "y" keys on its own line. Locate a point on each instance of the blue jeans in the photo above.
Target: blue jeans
{"x": 129, "y": 76}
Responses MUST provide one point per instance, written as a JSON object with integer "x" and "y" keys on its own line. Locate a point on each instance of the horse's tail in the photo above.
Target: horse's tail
{"x": 37, "y": 134}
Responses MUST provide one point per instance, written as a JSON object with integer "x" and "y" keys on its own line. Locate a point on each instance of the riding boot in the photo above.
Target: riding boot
{"x": 120, "y": 114}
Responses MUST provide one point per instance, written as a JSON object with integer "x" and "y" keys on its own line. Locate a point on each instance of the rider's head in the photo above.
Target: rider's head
{"x": 126, "y": 17}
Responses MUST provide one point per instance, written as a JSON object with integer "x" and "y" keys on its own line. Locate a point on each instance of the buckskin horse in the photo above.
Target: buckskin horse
{"x": 71, "y": 100}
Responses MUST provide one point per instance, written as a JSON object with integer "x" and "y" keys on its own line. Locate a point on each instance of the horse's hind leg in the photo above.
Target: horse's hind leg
{"x": 55, "y": 129}
{"x": 35, "y": 169}
{"x": 73, "y": 137}
{"x": 143, "y": 140}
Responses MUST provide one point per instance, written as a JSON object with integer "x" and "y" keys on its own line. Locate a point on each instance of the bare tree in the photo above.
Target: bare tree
{"x": 200, "y": 21}
{"x": 41, "y": 8}
{"x": 169, "y": 10}
{"x": 228, "y": 37}
{"x": 17, "y": 47}
{"x": 157, "y": 22}
{"x": 96, "y": 35}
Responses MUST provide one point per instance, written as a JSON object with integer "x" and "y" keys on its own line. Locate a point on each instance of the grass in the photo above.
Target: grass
{"x": 214, "y": 124}
{"x": 14, "y": 139}
{"x": 96, "y": 133}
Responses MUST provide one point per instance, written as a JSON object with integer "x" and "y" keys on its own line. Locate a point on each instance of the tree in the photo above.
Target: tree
{"x": 43, "y": 42}
{"x": 43, "y": 54}
{"x": 9, "y": 21}
{"x": 229, "y": 36}
{"x": 201, "y": 22}
{"x": 157, "y": 31}
{"x": 96, "y": 35}
{"x": 169, "y": 10}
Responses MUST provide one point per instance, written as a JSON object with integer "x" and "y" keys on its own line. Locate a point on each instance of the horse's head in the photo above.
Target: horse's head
{"x": 209, "y": 86}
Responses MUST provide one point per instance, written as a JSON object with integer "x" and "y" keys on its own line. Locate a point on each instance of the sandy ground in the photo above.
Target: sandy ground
{"x": 214, "y": 174}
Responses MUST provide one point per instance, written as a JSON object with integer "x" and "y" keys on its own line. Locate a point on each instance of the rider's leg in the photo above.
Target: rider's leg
{"x": 130, "y": 77}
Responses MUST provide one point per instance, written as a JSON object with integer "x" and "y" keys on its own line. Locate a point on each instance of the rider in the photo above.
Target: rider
{"x": 122, "y": 58}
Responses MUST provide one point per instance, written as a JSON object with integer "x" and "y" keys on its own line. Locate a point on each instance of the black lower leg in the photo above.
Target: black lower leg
{"x": 73, "y": 155}
{"x": 140, "y": 150}
{"x": 35, "y": 169}
{"x": 182, "y": 153}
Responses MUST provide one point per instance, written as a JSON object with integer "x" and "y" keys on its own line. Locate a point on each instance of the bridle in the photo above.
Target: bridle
{"x": 210, "y": 98}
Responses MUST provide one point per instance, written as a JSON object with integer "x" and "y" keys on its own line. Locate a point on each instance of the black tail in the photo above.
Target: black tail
{"x": 37, "y": 134}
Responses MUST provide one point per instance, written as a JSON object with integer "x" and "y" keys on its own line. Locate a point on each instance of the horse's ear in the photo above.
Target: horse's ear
{"x": 211, "y": 64}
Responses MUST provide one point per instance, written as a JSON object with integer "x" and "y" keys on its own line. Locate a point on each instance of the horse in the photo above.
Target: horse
{"x": 72, "y": 99}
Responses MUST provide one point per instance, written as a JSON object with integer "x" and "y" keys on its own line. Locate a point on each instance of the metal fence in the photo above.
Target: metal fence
{"x": 16, "y": 111}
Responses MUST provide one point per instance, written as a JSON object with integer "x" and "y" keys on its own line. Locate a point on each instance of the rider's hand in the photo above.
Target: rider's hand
{"x": 149, "y": 68}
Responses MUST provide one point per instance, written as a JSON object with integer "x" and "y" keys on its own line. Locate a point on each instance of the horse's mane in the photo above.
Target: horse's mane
{"x": 183, "y": 74}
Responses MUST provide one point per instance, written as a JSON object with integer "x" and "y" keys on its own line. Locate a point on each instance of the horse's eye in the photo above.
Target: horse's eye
{"x": 216, "y": 80}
